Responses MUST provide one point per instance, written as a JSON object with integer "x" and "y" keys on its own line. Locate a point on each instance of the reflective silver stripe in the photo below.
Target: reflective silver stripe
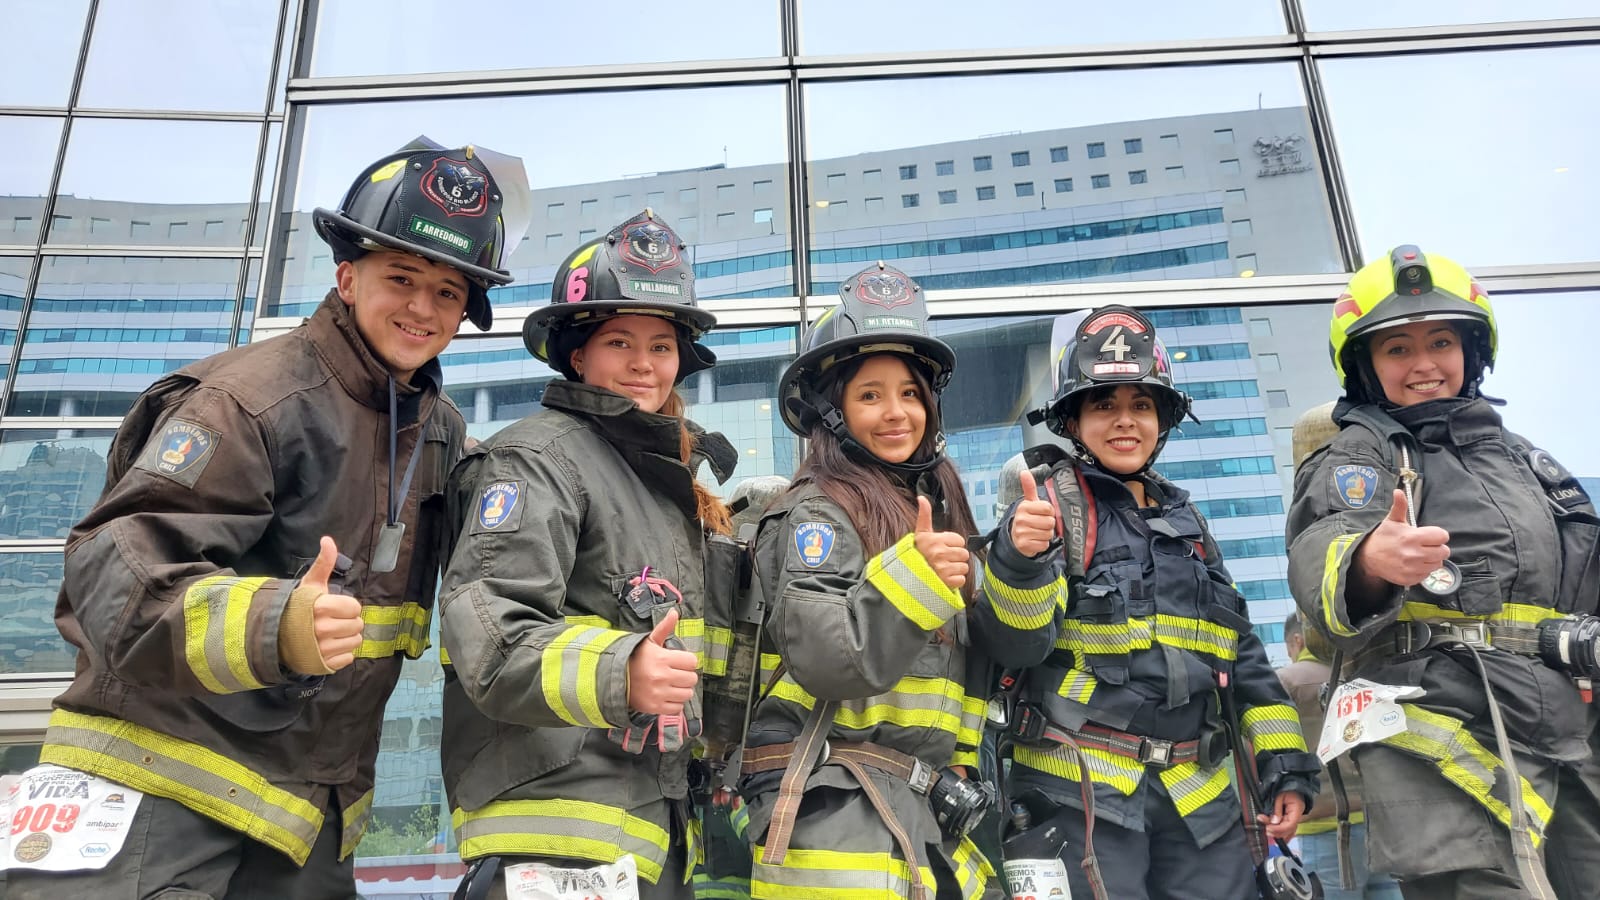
{"x": 1273, "y": 727}
{"x": 216, "y": 612}
{"x": 719, "y": 646}
{"x": 1192, "y": 787}
{"x": 202, "y": 780}
{"x": 973, "y": 871}
{"x": 570, "y": 829}
{"x": 908, "y": 582}
{"x": 388, "y": 630}
{"x": 569, "y": 668}
{"x": 1116, "y": 772}
{"x": 914, "y": 702}
{"x": 1024, "y": 609}
{"x": 356, "y": 818}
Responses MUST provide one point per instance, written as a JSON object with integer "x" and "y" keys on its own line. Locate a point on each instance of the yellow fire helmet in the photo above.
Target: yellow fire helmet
{"x": 1409, "y": 286}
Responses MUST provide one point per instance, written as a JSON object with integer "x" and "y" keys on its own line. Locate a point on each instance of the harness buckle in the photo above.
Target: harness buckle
{"x": 1155, "y": 752}
{"x": 922, "y": 777}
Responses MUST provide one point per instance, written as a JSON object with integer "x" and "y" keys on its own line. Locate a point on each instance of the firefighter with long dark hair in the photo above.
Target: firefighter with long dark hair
{"x": 856, "y": 765}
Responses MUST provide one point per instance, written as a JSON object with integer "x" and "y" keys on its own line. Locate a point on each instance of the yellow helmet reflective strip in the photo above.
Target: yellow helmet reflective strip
{"x": 387, "y": 630}
{"x": 1374, "y": 283}
{"x": 572, "y": 829}
{"x": 1332, "y": 564}
{"x": 1025, "y": 609}
{"x": 356, "y": 818}
{"x": 1192, "y": 787}
{"x": 568, "y": 671}
{"x": 1273, "y": 726}
{"x": 834, "y": 875}
{"x": 1467, "y": 764}
{"x": 202, "y": 780}
{"x": 216, "y": 615}
{"x": 905, "y": 579}
{"x": 1119, "y": 773}
{"x": 973, "y": 871}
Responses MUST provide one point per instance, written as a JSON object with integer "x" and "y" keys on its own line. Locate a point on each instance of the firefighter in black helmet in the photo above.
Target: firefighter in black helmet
{"x": 574, "y": 603}
{"x": 262, "y": 562}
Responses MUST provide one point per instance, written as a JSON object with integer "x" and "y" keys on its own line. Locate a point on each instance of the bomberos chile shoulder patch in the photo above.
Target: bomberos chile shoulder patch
{"x": 500, "y": 506}
{"x": 181, "y": 452}
{"x": 814, "y": 542}
{"x": 1355, "y": 485}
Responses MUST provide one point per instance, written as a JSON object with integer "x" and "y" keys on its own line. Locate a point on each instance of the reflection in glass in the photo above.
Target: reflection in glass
{"x": 51, "y": 31}
{"x": 191, "y": 186}
{"x": 180, "y": 54}
{"x": 31, "y": 143}
{"x": 264, "y": 187}
{"x": 367, "y": 37}
{"x": 691, "y": 177}
{"x": 842, "y": 26}
{"x": 1131, "y": 229}
{"x": 29, "y": 641}
{"x": 49, "y": 479}
{"x": 1330, "y": 15}
{"x": 1229, "y": 463}
{"x": 1516, "y": 184}
{"x": 102, "y": 329}
{"x": 247, "y": 317}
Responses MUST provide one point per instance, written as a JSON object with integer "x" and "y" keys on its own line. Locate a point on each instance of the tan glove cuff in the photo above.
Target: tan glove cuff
{"x": 297, "y": 634}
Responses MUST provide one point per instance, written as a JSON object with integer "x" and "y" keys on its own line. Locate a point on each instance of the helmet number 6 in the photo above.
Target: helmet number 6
{"x": 1116, "y": 344}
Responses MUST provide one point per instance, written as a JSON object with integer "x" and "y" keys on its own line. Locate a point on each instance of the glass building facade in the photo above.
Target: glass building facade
{"x": 1222, "y": 166}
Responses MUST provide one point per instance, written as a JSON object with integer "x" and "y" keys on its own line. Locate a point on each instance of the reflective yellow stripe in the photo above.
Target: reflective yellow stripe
{"x": 906, "y": 580}
{"x": 719, "y": 646}
{"x": 834, "y": 875}
{"x": 1192, "y": 787}
{"x": 964, "y": 758}
{"x": 692, "y": 632}
{"x": 914, "y": 702}
{"x": 1141, "y": 633}
{"x": 1095, "y": 638}
{"x": 1338, "y": 548}
{"x": 1197, "y": 635}
{"x": 1467, "y": 764}
{"x": 216, "y": 613}
{"x": 1117, "y": 772}
{"x": 1024, "y": 609}
{"x": 568, "y": 670}
{"x": 387, "y": 630}
{"x": 973, "y": 871}
{"x": 569, "y": 829}
{"x": 204, "y": 781}
{"x": 1273, "y": 726}
{"x": 1526, "y": 615}
{"x": 356, "y": 819}
{"x": 1078, "y": 685}
{"x": 972, "y": 718}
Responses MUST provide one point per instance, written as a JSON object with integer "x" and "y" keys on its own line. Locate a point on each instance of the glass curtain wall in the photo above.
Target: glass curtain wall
{"x": 1223, "y": 166}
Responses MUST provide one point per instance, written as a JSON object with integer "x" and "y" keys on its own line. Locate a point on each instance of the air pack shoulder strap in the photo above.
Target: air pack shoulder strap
{"x": 1072, "y": 500}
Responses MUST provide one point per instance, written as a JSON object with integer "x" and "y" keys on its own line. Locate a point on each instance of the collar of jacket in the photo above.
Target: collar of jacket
{"x": 1456, "y": 421}
{"x": 1165, "y": 494}
{"x": 364, "y": 376}
{"x": 648, "y": 442}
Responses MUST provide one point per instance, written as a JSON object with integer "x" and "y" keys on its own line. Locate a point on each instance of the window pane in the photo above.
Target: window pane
{"x": 1019, "y": 158}
{"x": 51, "y": 31}
{"x": 1016, "y": 238}
{"x": 102, "y": 329}
{"x": 13, "y": 284}
{"x": 738, "y": 256}
{"x": 1328, "y": 15}
{"x": 1533, "y": 186}
{"x": 1522, "y": 376}
{"x": 213, "y": 56}
{"x": 843, "y": 26}
{"x": 49, "y": 479}
{"x": 945, "y": 167}
{"x": 31, "y": 143}
{"x": 144, "y": 204}
{"x": 370, "y": 37}
{"x": 29, "y": 641}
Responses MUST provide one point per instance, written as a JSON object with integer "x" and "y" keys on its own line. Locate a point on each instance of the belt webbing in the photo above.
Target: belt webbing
{"x": 811, "y": 741}
{"x": 1132, "y": 746}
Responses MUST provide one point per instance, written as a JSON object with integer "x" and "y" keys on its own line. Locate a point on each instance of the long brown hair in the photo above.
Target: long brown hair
{"x": 713, "y": 513}
{"x": 867, "y": 492}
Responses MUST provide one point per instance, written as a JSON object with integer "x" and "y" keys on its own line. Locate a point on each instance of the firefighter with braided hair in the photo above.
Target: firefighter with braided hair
{"x": 1451, "y": 562}
{"x": 1108, "y": 592}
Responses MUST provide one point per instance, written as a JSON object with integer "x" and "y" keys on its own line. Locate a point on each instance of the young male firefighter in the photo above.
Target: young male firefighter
{"x": 262, "y": 559}
{"x": 1440, "y": 551}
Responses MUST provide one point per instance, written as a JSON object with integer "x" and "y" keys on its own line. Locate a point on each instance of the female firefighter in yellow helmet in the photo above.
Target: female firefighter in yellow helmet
{"x": 573, "y": 604}
{"x": 853, "y": 764}
{"x": 1441, "y": 552}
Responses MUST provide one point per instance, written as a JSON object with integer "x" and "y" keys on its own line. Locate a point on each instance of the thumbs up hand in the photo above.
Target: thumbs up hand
{"x": 1033, "y": 522}
{"x": 320, "y": 630}
{"x": 661, "y": 679}
{"x": 945, "y": 551}
{"x": 1400, "y": 553}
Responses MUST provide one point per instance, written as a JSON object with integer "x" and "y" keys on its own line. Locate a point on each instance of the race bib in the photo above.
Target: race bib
{"x": 541, "y": 881}
{"x": 62, "y": 820}
{"x": 1037, "y": 879}
{"x": 1362, "y": 712}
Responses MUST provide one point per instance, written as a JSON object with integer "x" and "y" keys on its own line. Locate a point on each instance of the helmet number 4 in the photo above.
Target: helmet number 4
{"x": 1115, "y": 344}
